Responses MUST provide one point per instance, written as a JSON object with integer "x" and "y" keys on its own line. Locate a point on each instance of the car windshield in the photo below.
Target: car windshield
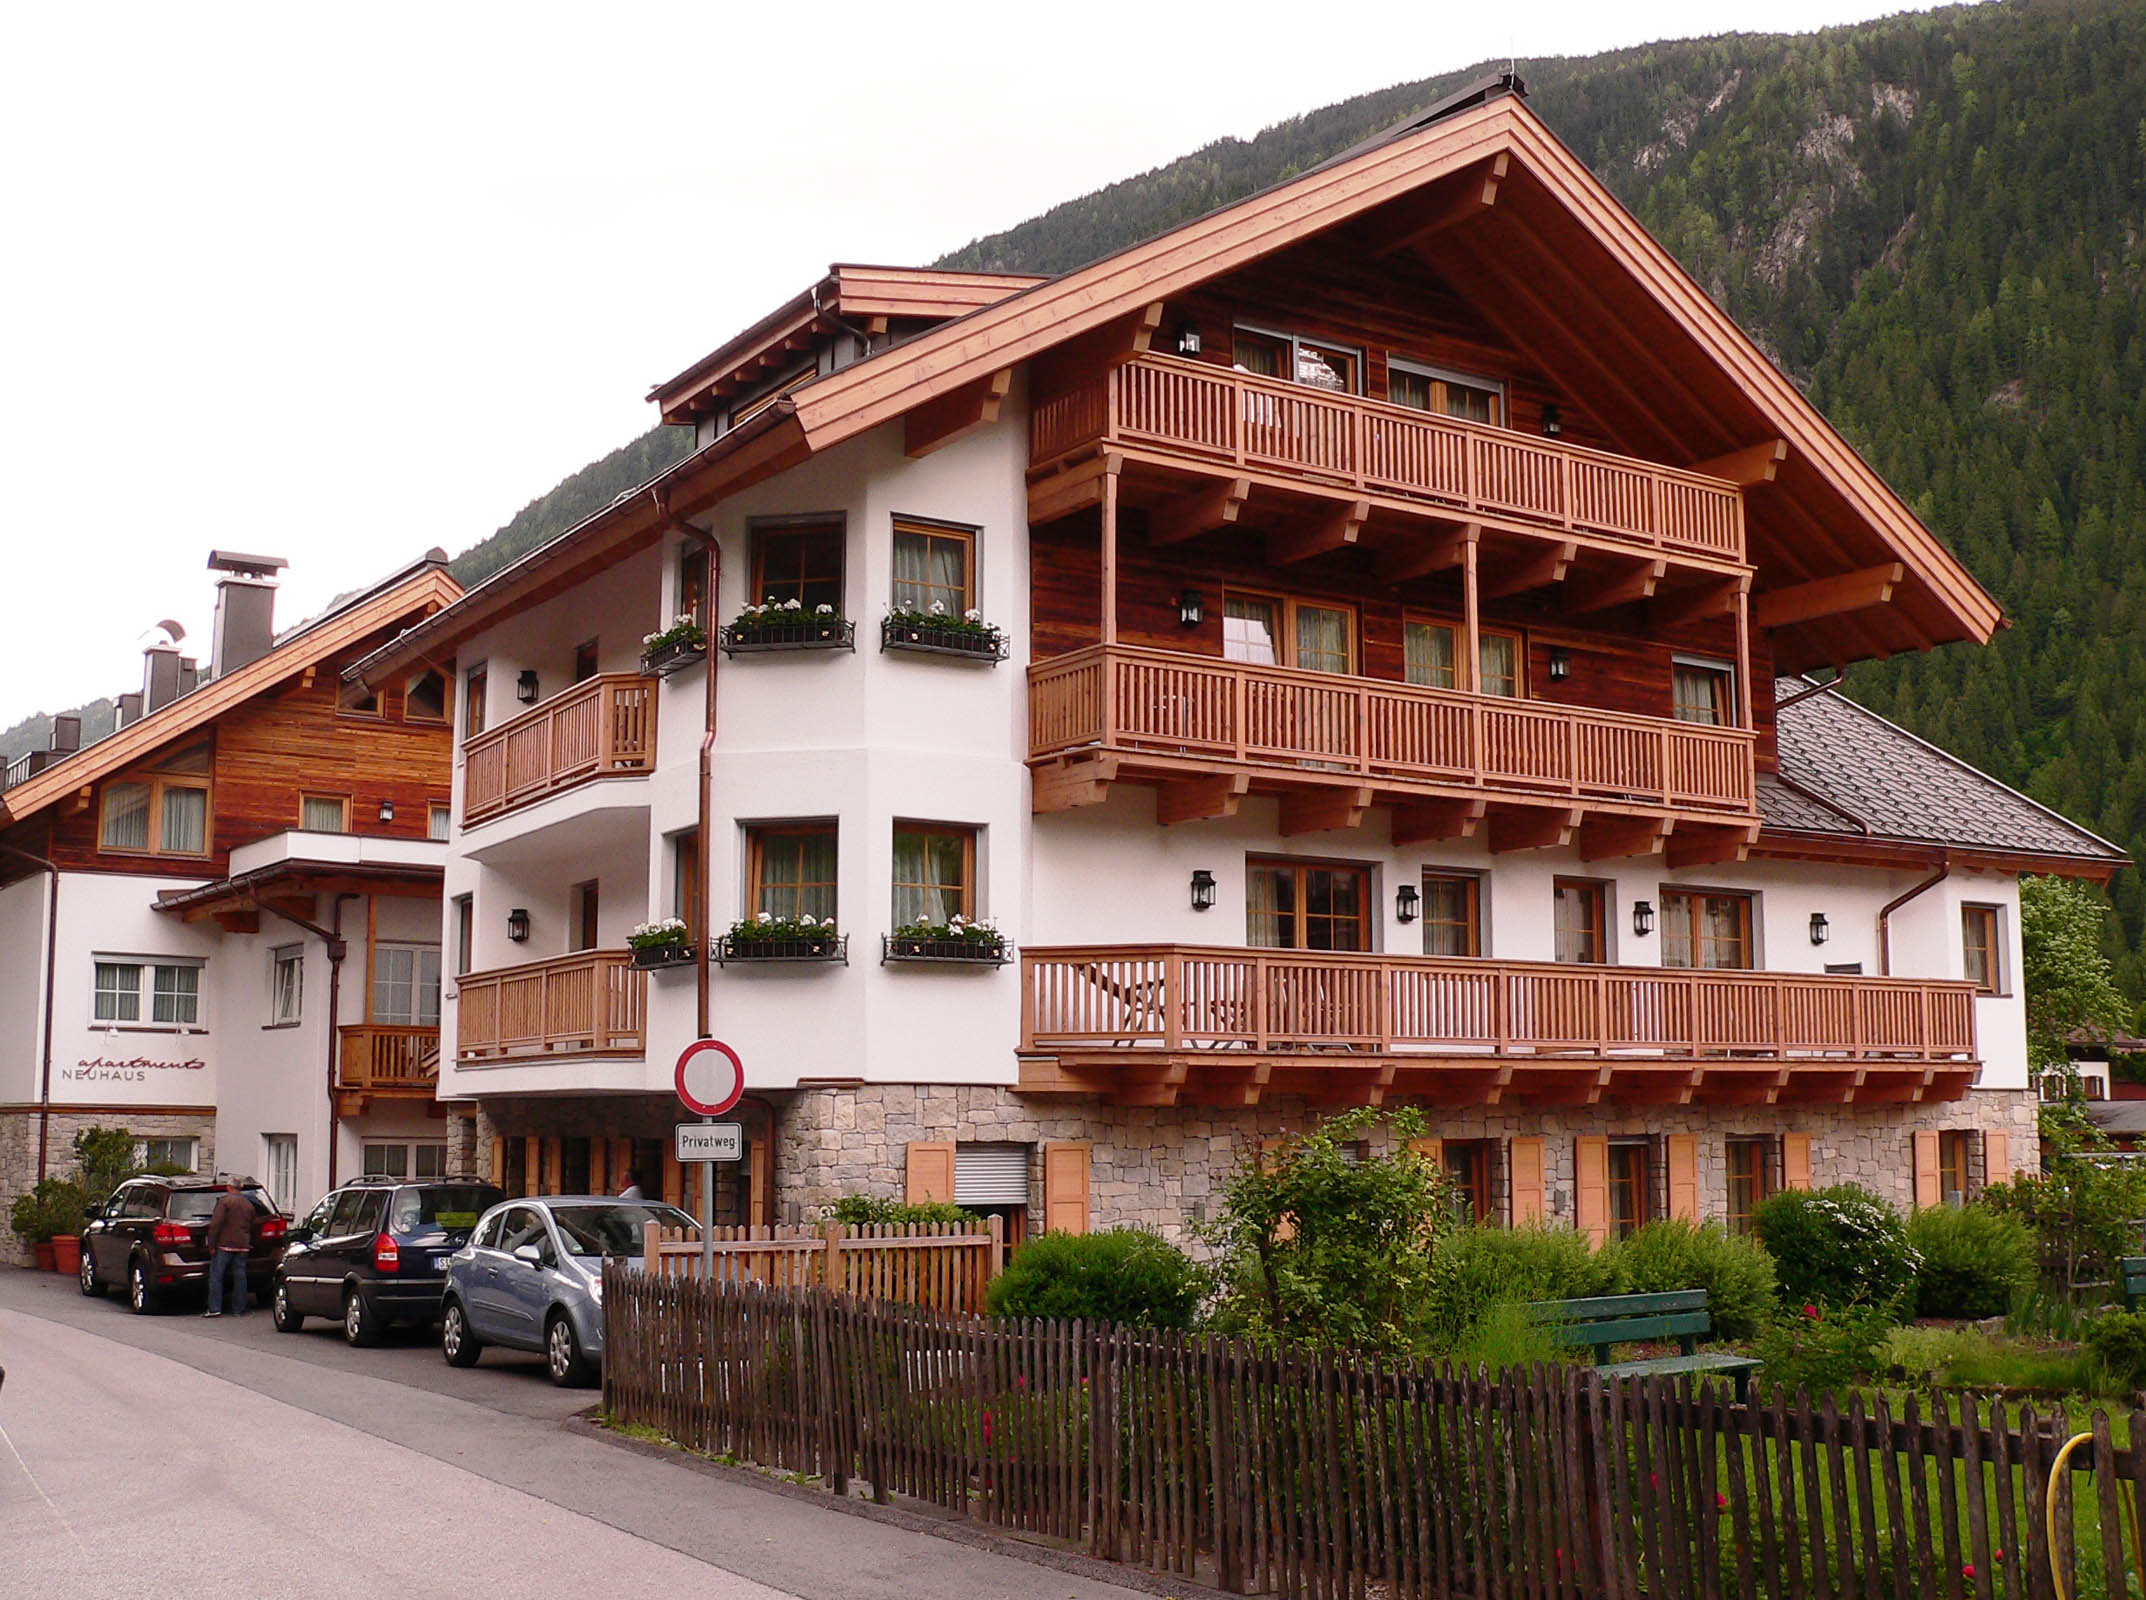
{"x": 195, "y": 1205}
{"x": 453, "y": 1207}
{"x": 615, "y": 1230}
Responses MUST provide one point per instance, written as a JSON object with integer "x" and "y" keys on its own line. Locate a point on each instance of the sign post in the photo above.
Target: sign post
{"x": 710, "y": 1080}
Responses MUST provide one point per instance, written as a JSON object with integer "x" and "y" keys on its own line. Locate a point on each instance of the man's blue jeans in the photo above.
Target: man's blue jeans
{"x": 233, "y": 1262}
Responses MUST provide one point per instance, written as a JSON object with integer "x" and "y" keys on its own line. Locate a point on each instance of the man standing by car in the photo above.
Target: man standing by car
{"x": 632, "y": 1190}
{"x": 230, "y": 1239}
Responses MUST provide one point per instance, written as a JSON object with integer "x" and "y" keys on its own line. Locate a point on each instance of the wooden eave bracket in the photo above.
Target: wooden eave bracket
{"x": 1067, "y": 784}
{"x": 1606, "y": 836}
{"x": 1638, "y": 583}
{"x": 1397, "y": 563}
{"x": 1705, "y": 847}
{"x": 1061, "y": 494}
{"x": 1202, "y": 511}
{"x": 1746, "y": 468}
{"x": 1430, "y": 821}
{"x": 1475, "y": 194}
{"x": 1324, "y": 810}
{"x": 1714, "y": 599}
{"x": 1334, "y": 532}
{"x": 938, "y": 423}
{"x": 1533, "y": 827}
{"x": 1199, "y": 799}
{"x": 1536, "y": 572}
{"x": 1827, "y": 597}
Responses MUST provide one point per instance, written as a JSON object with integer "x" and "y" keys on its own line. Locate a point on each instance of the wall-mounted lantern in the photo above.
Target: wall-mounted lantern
{"x": 1404, "y": 903}
{"x": 1203, "y": 889}
{"x": 525, "y": 686}
{"x": 1188, "y": 338}
{"x": 1642, "y": 917}
{"x": 387, "y": 811}
{"x": 518, "y": 925}
{"x": 1560, "y": 663}
{"x": 1553, "y": 422}
{"x": 1191, "y": 608}
{"x": 1821, "y": 930}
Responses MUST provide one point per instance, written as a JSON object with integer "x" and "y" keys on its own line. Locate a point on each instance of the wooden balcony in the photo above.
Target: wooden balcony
{"x": 385, "y": 1061}
{"x": 1164, "y": 1024}
{"x": 1174, "y": 411}
{"x": 1168, "y": 717}
{"x": 603, "y": 727}
{"x": 591, "y": 1002}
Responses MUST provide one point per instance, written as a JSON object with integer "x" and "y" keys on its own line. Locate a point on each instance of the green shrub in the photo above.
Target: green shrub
{"x": 1477, "y": 1269}
{"x": 55, "y": 1205}
{"x": 1736, "y": 1272}
{"x": 2118, "y": 1340}
{"x": 105, "y": 1157}
{"x": 1975, "y": 1261}
{"x": 1836, "y": 1247}
{"x": 1122, "y": 1275}
{"x": 1505, "y": 1336}
{"x": 1819, "y": 1349}
{"x": 871, "y": 1211}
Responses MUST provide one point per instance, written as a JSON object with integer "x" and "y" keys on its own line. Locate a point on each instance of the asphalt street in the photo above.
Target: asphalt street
{"x": 194, "y": 1457}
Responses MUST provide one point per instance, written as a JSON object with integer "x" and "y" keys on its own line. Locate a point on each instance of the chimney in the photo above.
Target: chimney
{"x": 66, "y": 735}
{"x": 130, "y": 709}
{"x": 160, "y": 677}
{"x": 245, "y": 609}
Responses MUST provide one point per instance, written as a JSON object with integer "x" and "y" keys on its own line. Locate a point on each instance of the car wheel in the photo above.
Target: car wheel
{"x": 562, "y": 1354}
{"x": 92, "y": 1285}
{"x": 287, "y": 1317}
{"x": 360, "y": 1326}
{"x": 141, "y": 1299}
{"x": 460, "y": 1346}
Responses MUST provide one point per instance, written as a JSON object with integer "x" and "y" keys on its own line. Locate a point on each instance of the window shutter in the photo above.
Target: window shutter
{"x": 1684, "y": 1176}
{"x": 991, "y": 1175}
{"x": 1065, "y": 1186}
{"x": 1525, "y": 1157}
{"x": 930, "y": 1172}
{"x": 1590, "y": 1187}
{"x": 1432, "y": 1150}
{"x": 1796, "y": 1161}
{"x": 1996, "y": 1157}
{"x": 1926, "y": 1177}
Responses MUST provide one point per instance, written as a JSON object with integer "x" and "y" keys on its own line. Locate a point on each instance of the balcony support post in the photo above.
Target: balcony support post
{"x": 1470, "y": 676}
{"x": 1110, "y": 557}
{"x": 1743, "y": 655}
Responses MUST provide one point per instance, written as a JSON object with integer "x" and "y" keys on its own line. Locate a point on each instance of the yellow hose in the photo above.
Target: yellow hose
{"x": 2049, "y": 1521}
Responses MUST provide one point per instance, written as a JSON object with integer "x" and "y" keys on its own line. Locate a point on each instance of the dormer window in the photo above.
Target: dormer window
{"x": 164, "y": 812}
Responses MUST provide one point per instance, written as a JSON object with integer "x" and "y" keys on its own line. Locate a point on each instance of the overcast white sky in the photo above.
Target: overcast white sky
{"x": 340, "y": 284}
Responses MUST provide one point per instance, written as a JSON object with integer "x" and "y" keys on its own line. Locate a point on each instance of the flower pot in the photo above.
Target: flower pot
{"x": 662, "y": 955}
{"x": 807, "y": 947}
{"x": 67, "y": 1253}
{"x": 45, "y": 1254}
{"x": 676, "y": 656}
{"x": 807, "y": 633}
{"x": 923, "y": 638}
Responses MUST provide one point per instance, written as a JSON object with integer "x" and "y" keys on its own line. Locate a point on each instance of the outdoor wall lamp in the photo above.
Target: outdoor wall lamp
{"x": 387, "y": 811}
{"x": 1203, "y": 890}
{"x": 1560, "y": 663}
{"x": 525, "y": 686}
{"x": 1404, "y": 903}
{"x": 1553, "y": 422}
{"x": 518, "y": 925}
{"x": 1821, "y": 930}
{"x": 1191, "y": 608}
{"x": 1188, "y": 338}
{"x": 1642, "y": 917}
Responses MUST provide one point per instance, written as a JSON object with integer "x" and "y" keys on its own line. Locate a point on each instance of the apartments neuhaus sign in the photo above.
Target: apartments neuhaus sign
{"x": 125, "y": 1069}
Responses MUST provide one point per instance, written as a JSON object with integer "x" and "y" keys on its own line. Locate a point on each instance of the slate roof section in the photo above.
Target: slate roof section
{"x": 1846, "y": 770}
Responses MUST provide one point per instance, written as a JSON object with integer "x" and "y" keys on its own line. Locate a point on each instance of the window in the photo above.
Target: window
{"x": 155, "y": 816}
{"x": 439, "y": 820}
{"x": 1473, "y": 1166}
{"x": 421, "y": 1159}
{"x": 286, "y": 984}
{"x": 1703, "y": 692}
{"x": 1445, "y": 394}
{"x": 324, "y": 813}
{"x": 934, "y": 567}
{"x": 1957, "y": 1164}
{"x": 465, "y": 932}
{"x": 1706, "y": 928}
{"x": 118, "y": 993}
{"x": 1452, "y": 914}
{"x": 1978, "y": 940}
{"x": 1582, "y": 920}
{"x": 692, "y": 582}
{"x": 473, "y": 687}
{"x": 1311, "y": 362}
{"x": 934, "y": 874}
{"x": 1499, "y": 659}
{"x": 1431, "y": 656}
{"x": 1631, "y": 1186}
{"x": 792, "y": 873}
{"x": 406, "y": 985}
{"x": 585, "y": 662}
{"x": 582, "y": 906}
{"x": 803, "y": 562}
{"x": 1747, "y": 1159}
{"x": 174, "y": 993}
{"x": 170, "y": 1153}
{"x": 1307, "y": 905}
{"x": 686, "y": 880}
{"x": 175, "y": 1000}
{"x": 279, "y": 1166}
{"x": 1271, "y": 630}
{"x": 363, "y": 704}
{"x": 424, "y": 697}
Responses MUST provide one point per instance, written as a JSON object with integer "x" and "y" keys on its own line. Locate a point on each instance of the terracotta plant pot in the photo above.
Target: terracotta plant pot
{"x": 67, "y": 1253}
{"x": 44, "y": 1251}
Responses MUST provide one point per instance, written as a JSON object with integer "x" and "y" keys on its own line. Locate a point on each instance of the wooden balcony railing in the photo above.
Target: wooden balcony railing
{"x": 1169, "y": 998}
{"x": 600, "y": 728}
{"x": 593, "y": 1000}
{"x": 1126, "y": 699}
{"x": 1188, "y": 407}
{"x": 387, "y": 1058}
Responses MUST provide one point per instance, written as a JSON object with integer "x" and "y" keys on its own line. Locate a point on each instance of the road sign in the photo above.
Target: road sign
{"x": 710, "y": 1077}
{"x": 710, "y": 1141}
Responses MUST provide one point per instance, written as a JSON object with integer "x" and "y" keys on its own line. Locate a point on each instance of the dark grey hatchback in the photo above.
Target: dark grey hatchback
{"x": 373, "y": 1254}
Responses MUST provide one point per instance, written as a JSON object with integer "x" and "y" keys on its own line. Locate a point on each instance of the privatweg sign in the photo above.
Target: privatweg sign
{"x": 710, "y": 1077}
{"x": 709, "y": 1141}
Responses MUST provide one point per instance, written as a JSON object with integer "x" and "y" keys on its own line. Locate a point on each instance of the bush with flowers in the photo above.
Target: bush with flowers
{"x": 1819, "y": 1347}
{"x": 760, "y": 933}
{"x": 939, "y": 628}
{"x": 957, "y": 938}
{"x": 663, "y": 934}
{"x": 1836, "y": 1247}
{"x": 684, "y": 633}
{"x": 789, "y": 620}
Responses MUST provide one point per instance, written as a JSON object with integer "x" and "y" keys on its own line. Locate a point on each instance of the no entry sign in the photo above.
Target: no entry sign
{"x": 710, "y": 1077}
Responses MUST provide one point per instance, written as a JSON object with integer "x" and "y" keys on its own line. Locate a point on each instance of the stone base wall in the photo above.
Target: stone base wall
{"x": 1161, "y": 1168}
{"x": 18, "y": 1149}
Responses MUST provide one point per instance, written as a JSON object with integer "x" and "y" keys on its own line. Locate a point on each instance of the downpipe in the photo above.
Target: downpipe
{"x": 1885, "y": 915}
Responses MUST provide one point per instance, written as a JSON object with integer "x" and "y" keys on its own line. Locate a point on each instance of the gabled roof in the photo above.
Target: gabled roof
{"x": 1557, "y": 262}
{"x": 1848, "y": 775}
{"x": 423, "y": 586}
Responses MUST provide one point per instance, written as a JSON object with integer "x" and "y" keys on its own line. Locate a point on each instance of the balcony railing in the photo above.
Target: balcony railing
{"x": 600, "y": 728}
{"x": 1190, "y": 408}
{"x": 1168, "y": 998}
{"x": 385, "y": 1058}
{"x": 592, "y": 1001}
{"x": 1159, "y": 702}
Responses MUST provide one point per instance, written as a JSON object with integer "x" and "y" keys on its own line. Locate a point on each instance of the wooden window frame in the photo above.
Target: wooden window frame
{"x": 690, "y": 577}
{"x": 1482, "y": 1155}
{"x": 156, "y": 783}
{"x": 447, "y": 698}
{"x": 475, "y": 701}
{"x": 439, "y": 819}
{"x": 757, "y": 836}
{"x": 277, "y": 956}
{"x": 1960, "y": 1150}
{"x": 1645, "y": 1203}
{"x": 968, "y": 834}
{"x": 1601, "y": 888}
{"x": 361, "y": 711}
{"x": 1356, "y": 353}
{"x": 925, "y": 527}
{"x": 1301, "y": 865}
{"x": 588, "y": 653}
{"x": 1763, "y": 1179}
{"x": 1992, "y": 919}
{"x": 689, "y": 882}
{"x": 761, "y": 530}
{"x": 1692, "y": 892}
{"x": 1725, "y": 671}
{"x": 580, "y": 896}
{"x": 1474, "y": 685}
{"x": 1287, "y": 606}
{"x": 315, "y": 798}
{"x": 1439, "y": 377}
{"x": 1474, "y": 882}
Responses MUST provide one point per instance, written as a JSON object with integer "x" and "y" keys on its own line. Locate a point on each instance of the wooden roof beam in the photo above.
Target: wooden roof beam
{"x": 1201, "y": 511}
{"x": 1827, "y": 597}
{"x": 1398, "y": 563}
{"x": 1706, "y": 847}
{"x": 1476, "y": 193}
{"x": 1076, "y": 489}
{"x": 1324, "y": 810}
{"x": 1429, "y": 821}
{"x": 1608, "y": 836}
{"x": 938, "y": 423}
{"x": 1746, "y": 468}
{"x": 1532, "y": 827}
{"x": 1536, "y": 572}
{"x": 1334, "y": 532}
{"x": 1716, "y": 599}
{"x": 1082, "y": 358}
{"x": 1637, "y": 584}
{"x": 1200, "y": 799}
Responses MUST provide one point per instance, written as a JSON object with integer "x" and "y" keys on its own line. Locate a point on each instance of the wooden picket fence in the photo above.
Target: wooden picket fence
{"x": 941, "y": 1266}
{"x": 1339, "y": 1477}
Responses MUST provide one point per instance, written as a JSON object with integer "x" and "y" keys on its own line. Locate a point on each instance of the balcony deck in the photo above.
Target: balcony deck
{"x": 378, "y": 1060}
{"x": 1168, "y": 1024}
{"x": 590, "y": 1002}
{"x": 603, "y": 727}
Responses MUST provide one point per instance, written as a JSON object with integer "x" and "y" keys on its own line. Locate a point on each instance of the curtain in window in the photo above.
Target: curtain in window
{"x": 1449, "y": 916}
{"x": 1270, "y": 909}
{"x": 119, "y": 992}
{"x": 929, "y": 877}
{"x": 1249, "y": 631}
{"x": 322, "y": 815}
{"x": 931, "y": 569}
{"x": 1701, "y": 695}
{"x": 1724, "y": 923}
{"x": 1411, "y": 389}
{"x": 126, "y": 817}
{"x": 186, "y": 817}
{"x": 1322, "y": 639}
{"x": 1428, "y": 648}
{"x": 406, "y": 986}
{"x": 177, "y": 999}
{"x": 1500, "y": 657}
{"x": 797, "y": 875}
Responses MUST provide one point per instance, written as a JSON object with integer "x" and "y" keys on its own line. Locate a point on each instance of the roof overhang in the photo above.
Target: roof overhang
{"x": 250, "y": 892}
{"x": 1860, "y": 850}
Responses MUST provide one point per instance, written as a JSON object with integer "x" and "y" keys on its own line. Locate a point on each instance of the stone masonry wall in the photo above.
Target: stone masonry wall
{"x": 18, "y": 1149}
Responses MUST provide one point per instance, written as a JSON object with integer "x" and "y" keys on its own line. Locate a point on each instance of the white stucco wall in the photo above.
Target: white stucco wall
{"x": 110, "y": 916}
{"x": 23, "y": 910}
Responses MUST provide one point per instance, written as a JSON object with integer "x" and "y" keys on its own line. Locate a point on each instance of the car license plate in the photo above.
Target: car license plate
{"x": 439, "y": 1263}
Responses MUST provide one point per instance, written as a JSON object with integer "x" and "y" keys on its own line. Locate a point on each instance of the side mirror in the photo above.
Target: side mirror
{"x": 92, "y": 1213}
{"x": 529, "y": 1253}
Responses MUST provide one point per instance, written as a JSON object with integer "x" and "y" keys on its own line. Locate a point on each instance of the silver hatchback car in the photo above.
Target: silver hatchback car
{"x": 532, "y": 1278}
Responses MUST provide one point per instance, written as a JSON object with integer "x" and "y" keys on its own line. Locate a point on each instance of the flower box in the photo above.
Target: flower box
{"x": 968, "y": 952}
{"x": 939, "y": 637}
{"x": 674, "y": 656}
{"x": 804, "y": 633}
{"x": 650, "y": 956}
{"x": 827, "y": 947}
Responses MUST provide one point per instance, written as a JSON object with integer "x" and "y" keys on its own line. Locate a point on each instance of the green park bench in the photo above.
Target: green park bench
{"x": 2133, "y": 1269}
{"x": 1613, "y": 1319}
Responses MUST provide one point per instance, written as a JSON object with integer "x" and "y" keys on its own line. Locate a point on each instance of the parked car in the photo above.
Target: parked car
{"x": 152, "y": 1237}
{"x": 372, "y": 1254}
{"x": 532, "y": 1278}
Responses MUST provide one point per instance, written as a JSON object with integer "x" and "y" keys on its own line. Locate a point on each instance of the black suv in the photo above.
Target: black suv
{"x": 152, "y": 1236}
{"x": 374, "y": 1253}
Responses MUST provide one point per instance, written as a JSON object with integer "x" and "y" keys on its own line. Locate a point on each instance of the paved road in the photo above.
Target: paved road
{"x": 180, "y": 1455}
